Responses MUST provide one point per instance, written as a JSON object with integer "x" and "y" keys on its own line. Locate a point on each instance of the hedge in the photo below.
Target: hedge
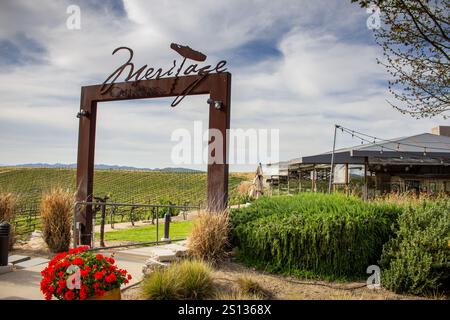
{"x": 319, "y": 235}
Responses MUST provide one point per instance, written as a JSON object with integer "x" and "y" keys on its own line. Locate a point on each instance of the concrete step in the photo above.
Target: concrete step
{"x": 179, "y": 250}
{"x": 31, "y": 263}
{"x": 15, "y": 258}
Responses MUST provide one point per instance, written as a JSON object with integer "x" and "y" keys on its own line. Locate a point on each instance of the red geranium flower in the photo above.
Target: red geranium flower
{"x": 111, "y": 278}
{"x": 98, "y": 275}
{"x": 69, "y": 295}
{"x": 62, "y": 283}
{"x": 78, "y": 261}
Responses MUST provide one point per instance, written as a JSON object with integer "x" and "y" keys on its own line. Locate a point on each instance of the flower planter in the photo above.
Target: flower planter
{"x": 81, "y": 274}
{"x": 114, "y": 294}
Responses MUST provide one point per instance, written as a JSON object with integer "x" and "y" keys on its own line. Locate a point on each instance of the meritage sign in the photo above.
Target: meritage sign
{"x": 182, "y": 78}
{"x": 147, "y": 73}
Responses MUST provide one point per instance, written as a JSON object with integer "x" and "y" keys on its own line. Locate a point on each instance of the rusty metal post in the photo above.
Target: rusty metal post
{"x": 85, "y": 165}
{"x": 219, "y": 119}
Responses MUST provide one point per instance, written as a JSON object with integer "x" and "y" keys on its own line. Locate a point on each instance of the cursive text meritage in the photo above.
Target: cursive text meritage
{"x": 176, "y": 70}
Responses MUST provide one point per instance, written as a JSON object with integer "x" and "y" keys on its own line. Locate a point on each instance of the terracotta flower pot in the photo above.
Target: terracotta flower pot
{"x": 114, "y": 294}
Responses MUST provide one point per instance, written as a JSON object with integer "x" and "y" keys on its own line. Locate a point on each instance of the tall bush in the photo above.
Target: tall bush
{"x": 330, "y": 236}
{"x": 8, "y": 208}
{"x": 417, "y": 260}
{"x": 56, "y": 214}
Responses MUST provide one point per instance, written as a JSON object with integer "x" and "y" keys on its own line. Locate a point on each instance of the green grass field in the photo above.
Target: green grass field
{"x": 178, "y": 230}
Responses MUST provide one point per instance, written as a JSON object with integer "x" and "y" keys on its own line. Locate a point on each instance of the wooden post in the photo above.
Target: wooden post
{"x": 314, "y": 178}
{"x": 279, "y": 183}
{"x": 299, "y": 180}
{"x": 288, "y": 186}
{"x": 347, "y": 179}
{"x": 366, "y": 190}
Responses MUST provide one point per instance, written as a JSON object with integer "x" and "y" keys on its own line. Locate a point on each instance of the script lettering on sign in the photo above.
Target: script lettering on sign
{"x": 146, "y": 73}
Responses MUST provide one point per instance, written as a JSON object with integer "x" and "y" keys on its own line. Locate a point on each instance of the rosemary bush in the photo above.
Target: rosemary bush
{"x": 315, "y": 235}
{"x": 417, "y": 259}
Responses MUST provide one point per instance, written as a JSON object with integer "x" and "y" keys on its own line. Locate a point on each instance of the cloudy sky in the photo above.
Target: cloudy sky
{"x": 299, "y": 66}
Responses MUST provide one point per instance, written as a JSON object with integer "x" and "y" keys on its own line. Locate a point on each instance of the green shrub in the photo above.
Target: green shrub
{"x": 163, "y": 210}
{"x": 188, "y": 279}
{"x": 417, "y": 260}
{"x": 318, "y": 235}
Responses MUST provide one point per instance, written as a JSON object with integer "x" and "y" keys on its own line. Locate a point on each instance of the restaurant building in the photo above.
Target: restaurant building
{"x": 418, "y": 163}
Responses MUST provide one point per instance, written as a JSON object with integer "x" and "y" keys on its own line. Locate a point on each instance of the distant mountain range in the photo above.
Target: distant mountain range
{"x": 100, "y": 167}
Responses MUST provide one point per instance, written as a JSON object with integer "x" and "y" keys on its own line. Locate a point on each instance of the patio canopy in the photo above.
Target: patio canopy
{"x": 425, "y": 149}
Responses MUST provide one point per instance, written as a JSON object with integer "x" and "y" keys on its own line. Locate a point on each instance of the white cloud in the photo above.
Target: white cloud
{"x": 325, "y": 74}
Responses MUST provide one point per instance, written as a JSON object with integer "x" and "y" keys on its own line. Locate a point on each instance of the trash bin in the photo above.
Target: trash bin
{"x": 5, "y": 230}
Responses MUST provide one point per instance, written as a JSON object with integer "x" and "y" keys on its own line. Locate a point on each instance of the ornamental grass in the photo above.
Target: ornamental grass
{"x": 8, "y": 210}
{"x": 187, "y": 279}
{"x": 209, "y": 237}
{"x": 56, "y": 214}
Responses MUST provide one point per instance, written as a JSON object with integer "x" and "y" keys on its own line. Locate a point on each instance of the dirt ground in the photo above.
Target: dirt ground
{"x": 288, "y": 288}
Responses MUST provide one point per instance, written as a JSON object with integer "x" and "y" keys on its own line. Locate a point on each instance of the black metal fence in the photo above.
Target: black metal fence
{"x": 108, "y": 215}
{"x": 27, "y": 219}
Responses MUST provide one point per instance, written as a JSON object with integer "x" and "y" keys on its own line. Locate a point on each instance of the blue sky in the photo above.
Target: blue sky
{"x": 298, "y": 66}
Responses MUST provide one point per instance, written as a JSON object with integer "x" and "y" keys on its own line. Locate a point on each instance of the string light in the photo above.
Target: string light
{"x": 403, "y": 155}
{"x": 388, "y": 140}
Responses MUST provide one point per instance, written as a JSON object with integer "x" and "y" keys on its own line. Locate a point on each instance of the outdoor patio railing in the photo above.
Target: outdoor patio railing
{"x": 117, "y": 212}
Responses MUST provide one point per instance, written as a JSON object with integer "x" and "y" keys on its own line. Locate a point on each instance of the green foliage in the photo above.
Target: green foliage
{"x": 417, "y": 260}
{"x": 163, "y": 210}
{"x": 319, "y": 235}
{"x": 188, "y": 279}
